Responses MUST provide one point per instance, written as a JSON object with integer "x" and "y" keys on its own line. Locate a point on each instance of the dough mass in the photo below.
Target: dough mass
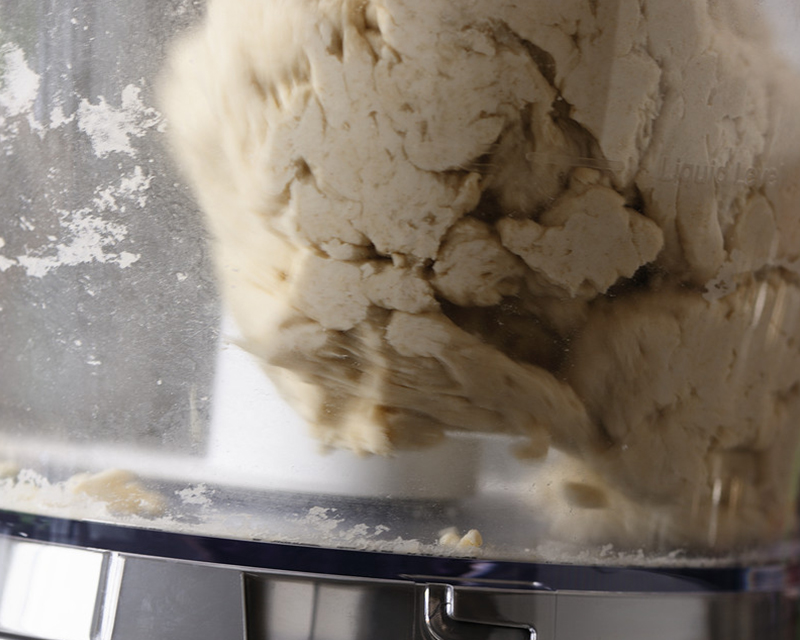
{"x": 571, "y": 221}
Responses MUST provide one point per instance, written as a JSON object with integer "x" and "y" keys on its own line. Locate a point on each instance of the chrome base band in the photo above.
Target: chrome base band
{"x": 52, "y": 591}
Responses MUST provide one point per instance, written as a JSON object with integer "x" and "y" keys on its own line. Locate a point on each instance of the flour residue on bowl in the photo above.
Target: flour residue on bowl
{"x": 18, "y": 89}
{"x": 93, "y": 231}
{"x": 86, "y": 238}
{"x": 111, "y": 129}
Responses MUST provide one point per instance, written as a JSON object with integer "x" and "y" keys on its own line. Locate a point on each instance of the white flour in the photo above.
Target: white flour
{"x": 20, "y": 84}
{"x": 18, "y": 90}
{"x": 317, "y": 526}
{"x": 111, "y": 129}
{"x": 85, "y": 235}
{"x": 85, "y": 238}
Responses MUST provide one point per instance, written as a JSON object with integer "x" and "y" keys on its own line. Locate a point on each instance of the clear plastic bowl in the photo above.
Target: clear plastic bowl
{"x": 381, "y": 274}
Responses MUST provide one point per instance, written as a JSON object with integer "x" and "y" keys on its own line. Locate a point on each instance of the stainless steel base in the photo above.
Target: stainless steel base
{"x": 57, "y": 592}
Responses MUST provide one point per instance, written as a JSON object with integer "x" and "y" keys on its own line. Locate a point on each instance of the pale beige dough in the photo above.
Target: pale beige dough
{"x": 710, "y": 403}
{"x": 121, "y": 491}
{"x": 570, "y": 221}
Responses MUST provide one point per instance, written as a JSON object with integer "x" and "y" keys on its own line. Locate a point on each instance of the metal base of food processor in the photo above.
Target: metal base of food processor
{"x": 80, "y": 580}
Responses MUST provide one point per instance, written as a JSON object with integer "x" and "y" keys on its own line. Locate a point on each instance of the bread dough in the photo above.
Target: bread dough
{"x": 121, "y": 491}
{"x": 450, "y": 537}
{"x": 572, "y": 221}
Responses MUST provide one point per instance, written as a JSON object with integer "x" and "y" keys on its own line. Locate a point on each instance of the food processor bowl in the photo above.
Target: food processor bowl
{"x": 431, "y": 320}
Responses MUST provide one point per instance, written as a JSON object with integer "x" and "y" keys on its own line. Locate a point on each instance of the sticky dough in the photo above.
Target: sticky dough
{"x": 570, "y": 221}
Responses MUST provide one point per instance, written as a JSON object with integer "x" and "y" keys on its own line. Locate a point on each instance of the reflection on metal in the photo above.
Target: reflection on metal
{"x": 108, "y": 599}
{"x": 168, "y": 600}
{"x": 52, "y": 592}
{"x": 481, "y": 622}
{"x": 48, "y": 592}
{"x": 286, "y": 607}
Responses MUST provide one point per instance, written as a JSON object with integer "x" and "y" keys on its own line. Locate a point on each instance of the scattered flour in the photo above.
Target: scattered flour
{"x": 85, "y": 235}
{"x": 321, "y": 519}
{"x": 110, "y": 494}
{"x": 110, "y": 129}
{"x": 121, "y": 497}
{"x": 85, "y": 238}
{"x": 5, "y": 263}
{"x": 58, "y": 119}
{"x": 198, "y": 494}
{"x": 132, "y": 187}
{"x": 18, "y": 90}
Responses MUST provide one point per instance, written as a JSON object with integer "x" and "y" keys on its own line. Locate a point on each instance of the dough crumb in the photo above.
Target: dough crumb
{"x": 121, "y": 491}
{"x": 451, "y": 537}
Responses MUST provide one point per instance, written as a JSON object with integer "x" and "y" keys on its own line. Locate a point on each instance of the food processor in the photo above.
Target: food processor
{"x": 347, "y": 319}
